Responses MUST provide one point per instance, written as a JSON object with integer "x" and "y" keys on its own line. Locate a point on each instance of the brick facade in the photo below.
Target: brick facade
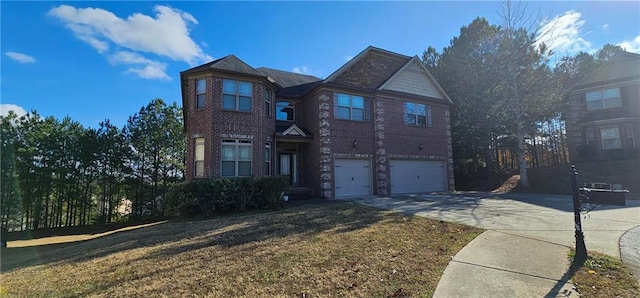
{"x": 584, "y": 127}
{"x": 215, "y": 124}
{"x": 381, "y": 137}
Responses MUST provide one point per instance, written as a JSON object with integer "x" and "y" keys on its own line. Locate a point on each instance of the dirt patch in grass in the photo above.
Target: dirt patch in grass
{"x": 509, "y": 185}
{"x": 603, "y": 276}
{"x": 309, "y": 250}
{"x": 81, "y": 231}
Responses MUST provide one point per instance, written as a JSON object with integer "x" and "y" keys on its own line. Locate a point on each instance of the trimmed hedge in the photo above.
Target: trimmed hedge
{"x": 224, "y": 195}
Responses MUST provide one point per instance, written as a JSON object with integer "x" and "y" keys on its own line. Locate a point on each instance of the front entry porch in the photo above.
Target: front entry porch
{"x": 291, "y": 146}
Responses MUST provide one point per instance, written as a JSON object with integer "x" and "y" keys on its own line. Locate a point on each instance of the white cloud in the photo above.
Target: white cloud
{"x": 85, "y": 34}
{"x": 22, "y": 58}
{"x": 347, "y": 58}
{"x": 605, "y": 27}
{"x": 631, "y": 45}
{"x": 302, "y": 70}
{"x": 562, "y": 34}
{"x": 144, "y": 68}
{"x": 164, "y": 35}
{"x": 6, "y": 107}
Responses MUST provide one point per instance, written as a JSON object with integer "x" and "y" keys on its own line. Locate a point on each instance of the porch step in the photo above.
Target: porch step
{"x": 299, "y": 193}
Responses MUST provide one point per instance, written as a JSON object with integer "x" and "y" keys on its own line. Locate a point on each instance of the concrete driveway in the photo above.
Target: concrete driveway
{"x": 524, "y": 252}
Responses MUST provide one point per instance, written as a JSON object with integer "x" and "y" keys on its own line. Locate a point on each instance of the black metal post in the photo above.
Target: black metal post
{"x": 581, "y": 249}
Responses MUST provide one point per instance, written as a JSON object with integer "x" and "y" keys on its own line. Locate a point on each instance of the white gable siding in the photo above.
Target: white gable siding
{"x": 414, "y": 81}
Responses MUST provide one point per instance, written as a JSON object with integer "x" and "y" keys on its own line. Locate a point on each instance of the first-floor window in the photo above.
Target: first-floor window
{"x": 590, "y": 135}
{"x": 631, "y": 140}
{"x": 610, "y": 138}
{"x": 198, "y": 160}
{"x": 267, "y": 159}
{"x": 236, "y": 158}
{"x": 417, "y": 114}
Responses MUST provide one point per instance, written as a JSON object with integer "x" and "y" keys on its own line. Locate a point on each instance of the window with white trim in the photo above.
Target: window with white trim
{"x": 590, "y": 135}
{"x": 610, "y": 138}
{"x": 201, "y": 90}
{"x": 604, "y": 99}
{"x": 267, "y": 159}
{"x": 267, "y": 102}
{"x": 285, "y": 111}
{"x": 198, "y": 159}
{"x": 236, "y": 158}
{"x": 236, "y": 95}
{"x": 417, "y": 114}
{"x": 631, "y": 139}
{"x": 349, "y": 107}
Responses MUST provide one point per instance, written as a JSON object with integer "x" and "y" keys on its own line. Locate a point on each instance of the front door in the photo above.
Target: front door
{"x": 288, "y": 166}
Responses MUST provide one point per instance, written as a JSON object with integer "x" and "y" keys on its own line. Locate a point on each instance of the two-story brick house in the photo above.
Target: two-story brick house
{"x": 604, "y": 120}
{"x": 377, "y": 125}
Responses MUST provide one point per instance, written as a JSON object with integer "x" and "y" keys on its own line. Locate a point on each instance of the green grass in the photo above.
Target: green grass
{"x": 315, "y": 250}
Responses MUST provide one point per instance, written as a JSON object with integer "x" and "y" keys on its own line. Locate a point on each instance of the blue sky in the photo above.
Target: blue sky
{"x": 104, "y": 60}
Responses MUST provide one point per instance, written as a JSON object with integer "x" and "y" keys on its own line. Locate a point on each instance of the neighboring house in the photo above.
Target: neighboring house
{"x": 604, "y": 120}
{"x": 378, "y": 125}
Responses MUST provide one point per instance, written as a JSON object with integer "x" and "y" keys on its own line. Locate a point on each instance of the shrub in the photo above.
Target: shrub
{"x": 179, "y": 199}
{"x": 224, "y": 194}
{"x": 271, "y": 189}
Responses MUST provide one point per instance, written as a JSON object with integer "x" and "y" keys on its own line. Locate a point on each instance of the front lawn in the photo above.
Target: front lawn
{"x": 321, "y": 248}
{"x": 603, "y": 276}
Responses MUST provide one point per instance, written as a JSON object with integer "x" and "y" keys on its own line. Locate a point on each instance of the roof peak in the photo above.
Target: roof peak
{"x": 359, "y": 56}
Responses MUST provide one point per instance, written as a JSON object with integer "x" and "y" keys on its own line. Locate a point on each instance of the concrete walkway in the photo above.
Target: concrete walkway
{"x": 630, "y": 250}
{"x": 524, "y": 252}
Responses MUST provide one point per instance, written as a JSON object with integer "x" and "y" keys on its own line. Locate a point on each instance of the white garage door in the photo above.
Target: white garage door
{"x": 353, "y": 177}
{"x": 412, "y": 176}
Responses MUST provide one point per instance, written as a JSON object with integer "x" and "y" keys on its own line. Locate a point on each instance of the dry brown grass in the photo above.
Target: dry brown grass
{"x": 508, "y": 185}
{"x": 604, "y": 276}
{"x": 308, "y": 250}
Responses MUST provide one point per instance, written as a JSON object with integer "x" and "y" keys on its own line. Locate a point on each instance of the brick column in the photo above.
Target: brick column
{"x": 326, "y": 164}
{"x": 381, "y": 160}
{"x": 450, "y": 178}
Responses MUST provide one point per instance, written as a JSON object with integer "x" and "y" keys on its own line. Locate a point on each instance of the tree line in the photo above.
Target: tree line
{"x": 510, "y": 95}
{"x": 57, "y": 173}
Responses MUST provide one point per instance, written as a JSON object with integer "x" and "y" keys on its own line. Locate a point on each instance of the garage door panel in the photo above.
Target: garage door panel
{"x": 353, "y": 177}
{"x": 412, "y": 176}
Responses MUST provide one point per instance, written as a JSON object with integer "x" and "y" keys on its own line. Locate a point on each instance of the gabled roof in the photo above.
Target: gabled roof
{"x": 228, "y": 63}
{"x": 294, "y": 130}
{"x": 369, "y": 50}
{"x": 621, "y": 69}
{"x": 424, "y": 84}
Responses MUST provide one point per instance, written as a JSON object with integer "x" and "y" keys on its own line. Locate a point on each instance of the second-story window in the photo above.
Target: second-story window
{"x": 267, "y": 102}
{"x": 417, "y": 114}
{"x": 349, "y": 107}
{"x": 285, "y": 111}
{"x": 201, "y": 90}
{"x": 604, "y": 99}
{"x": 236, "y": 95}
